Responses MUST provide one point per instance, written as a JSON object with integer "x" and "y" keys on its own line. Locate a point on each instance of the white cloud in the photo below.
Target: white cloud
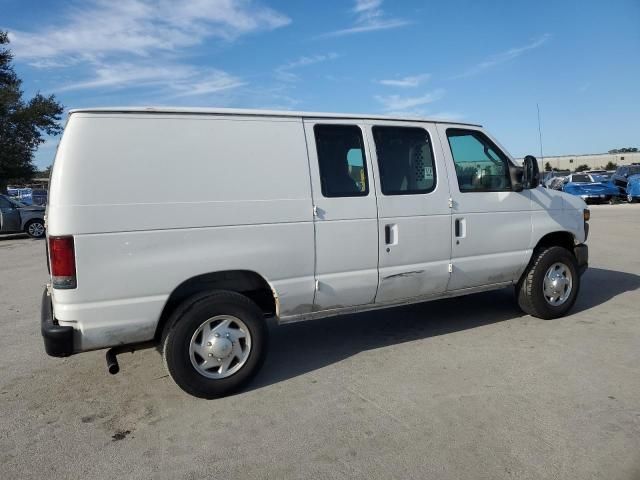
{"x": 369, "y": 17}
{"x": 505, "y": 56}
{"x": 141, "y": 27}
{"x": 137, "y": 43}
{"x": 284, "y": 72}
{"x": 406, "y": 82}
{"x": 397, "y": 103}
{"x": 364, "y": 5}
{"x": 178, "y": 80}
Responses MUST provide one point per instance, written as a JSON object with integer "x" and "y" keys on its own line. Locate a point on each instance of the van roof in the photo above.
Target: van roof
{"x": 260, "y": 113}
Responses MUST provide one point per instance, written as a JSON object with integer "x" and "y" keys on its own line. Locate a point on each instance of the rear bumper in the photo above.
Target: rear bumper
{"x": 58, "y": 340}
{"x": 581, "y": 252}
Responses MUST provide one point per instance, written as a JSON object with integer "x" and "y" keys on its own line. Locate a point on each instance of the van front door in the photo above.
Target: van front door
{"x": 491, "y": 222}
{"x": 9, "y": 216}
{"x": 413, "y": 208}
{"x": 345, "y": 214}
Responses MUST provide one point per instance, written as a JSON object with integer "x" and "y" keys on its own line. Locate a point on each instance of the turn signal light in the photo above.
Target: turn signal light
{"x": 587, "y": 214}
{"x": 63, "y": 262}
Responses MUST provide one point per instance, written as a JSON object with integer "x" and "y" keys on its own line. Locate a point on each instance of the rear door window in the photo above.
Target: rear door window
{"x": 405, "y": 160}
{"x": 341, "y": 160}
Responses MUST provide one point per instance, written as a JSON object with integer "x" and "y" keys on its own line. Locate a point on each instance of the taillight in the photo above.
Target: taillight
{"x": 63, "y": 262}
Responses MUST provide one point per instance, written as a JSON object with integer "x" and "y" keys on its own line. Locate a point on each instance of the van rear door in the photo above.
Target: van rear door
{"x": 345, "y": 214}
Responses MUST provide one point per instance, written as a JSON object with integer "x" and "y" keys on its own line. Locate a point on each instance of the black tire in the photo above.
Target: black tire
{"x": 184, "y": 322}
{"x": 31, "y": 230}
{"x": 530, "y": 289}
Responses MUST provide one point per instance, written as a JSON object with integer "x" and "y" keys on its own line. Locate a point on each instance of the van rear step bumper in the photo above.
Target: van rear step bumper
{"x": 58, "y": 340}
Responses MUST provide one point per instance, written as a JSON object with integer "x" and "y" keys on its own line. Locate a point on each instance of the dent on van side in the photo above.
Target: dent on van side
{"x": 186, "y": 229}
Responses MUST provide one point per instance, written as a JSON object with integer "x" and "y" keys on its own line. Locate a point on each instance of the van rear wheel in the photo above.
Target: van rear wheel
{"x": 214, "y": 343}
{"x": 549, "y": 287}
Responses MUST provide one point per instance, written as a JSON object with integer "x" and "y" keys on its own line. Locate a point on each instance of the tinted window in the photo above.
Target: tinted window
{"x": 405, "y": 159}
{"x": 341, "y": 159}
{"x": 4, "y": 203}
{"x": 480, "y": 165}
{"x": 581, "y": 178}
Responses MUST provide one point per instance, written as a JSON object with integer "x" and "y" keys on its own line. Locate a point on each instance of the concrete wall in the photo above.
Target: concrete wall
{"x": 595, "y": 161}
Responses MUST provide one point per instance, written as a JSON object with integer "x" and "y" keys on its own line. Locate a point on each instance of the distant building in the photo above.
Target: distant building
{"x": 595, "y": 161}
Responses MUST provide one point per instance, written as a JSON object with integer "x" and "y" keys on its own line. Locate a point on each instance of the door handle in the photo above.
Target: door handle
{"x": 460, "y": 228}
{"x": 391, "y": 234}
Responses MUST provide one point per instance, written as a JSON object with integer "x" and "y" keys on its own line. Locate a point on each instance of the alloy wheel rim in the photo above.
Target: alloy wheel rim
{"x": 220, "y": 346}
{"x": 558, "y": 284}
{"x": 36, "y": 229}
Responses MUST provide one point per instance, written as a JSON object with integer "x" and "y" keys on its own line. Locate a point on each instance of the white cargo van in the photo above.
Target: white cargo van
{"x": 186, "y": 228}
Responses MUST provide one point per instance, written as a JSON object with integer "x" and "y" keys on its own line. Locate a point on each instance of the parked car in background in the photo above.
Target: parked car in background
{"x": 623, "y": 172}
{"x": 28, "y": 196}
{"x": 633, "y": 188}
{"x": 17, "y": 217}
{"x": 591, "y": 188}
{"x": 39, "y": 196}
{"x": 548, "y": 177}
{"x": 555, "y": 183}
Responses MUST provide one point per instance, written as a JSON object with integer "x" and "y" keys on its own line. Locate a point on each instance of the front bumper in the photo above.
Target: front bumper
{"x": 595, "y": 196}
{"x": 581, "y": 252}
{"x": 58, "y": 340}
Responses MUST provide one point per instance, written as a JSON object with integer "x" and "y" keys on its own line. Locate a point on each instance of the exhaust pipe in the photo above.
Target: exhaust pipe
{"x": 112, "y": 361}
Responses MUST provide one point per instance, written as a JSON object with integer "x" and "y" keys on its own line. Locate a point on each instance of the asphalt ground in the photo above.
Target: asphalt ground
{"x": 458, "y": 388}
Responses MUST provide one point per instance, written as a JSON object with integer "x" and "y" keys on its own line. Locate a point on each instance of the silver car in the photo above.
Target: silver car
{"x": 17, "y": 217}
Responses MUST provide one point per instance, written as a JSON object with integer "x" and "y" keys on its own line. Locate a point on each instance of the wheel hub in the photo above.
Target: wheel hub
{"x": 558, "y": 284}
{"x": 220, "y": 347}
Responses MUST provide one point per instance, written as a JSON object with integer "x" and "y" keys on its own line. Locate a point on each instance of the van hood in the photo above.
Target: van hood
{"x": 572, "y": 202}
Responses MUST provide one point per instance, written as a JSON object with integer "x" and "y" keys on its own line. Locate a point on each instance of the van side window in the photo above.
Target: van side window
{"x": 343, "y": 166}
{"x": 480, "y": 165}
{"x": 405, "y": 159}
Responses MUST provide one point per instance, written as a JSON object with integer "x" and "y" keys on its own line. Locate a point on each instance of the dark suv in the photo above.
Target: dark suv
{"x": 619, "y": 179}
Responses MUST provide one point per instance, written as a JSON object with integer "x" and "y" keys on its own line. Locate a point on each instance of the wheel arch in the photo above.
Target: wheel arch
{"x": 560, "y": 238}
{"x": 246, "y": 282}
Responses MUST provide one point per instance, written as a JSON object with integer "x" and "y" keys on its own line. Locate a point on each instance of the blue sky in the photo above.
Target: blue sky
{"x": 480, "y": 61}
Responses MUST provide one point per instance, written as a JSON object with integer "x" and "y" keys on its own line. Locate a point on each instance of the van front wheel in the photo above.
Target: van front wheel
{"x": 214, "y": 343}
{"x": 549, "y": 287}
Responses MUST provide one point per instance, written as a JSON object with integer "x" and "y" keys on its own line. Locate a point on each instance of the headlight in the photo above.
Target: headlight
{"x": 586, "y": 213}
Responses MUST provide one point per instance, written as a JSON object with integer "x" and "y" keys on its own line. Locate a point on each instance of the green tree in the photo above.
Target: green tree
{"x": 582, "y": 168}
{"x": 24, "y": 124}
{"x": 611, "y": 165}
{"x": 547, "y": 167}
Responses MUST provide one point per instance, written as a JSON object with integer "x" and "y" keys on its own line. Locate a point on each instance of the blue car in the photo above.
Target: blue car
{"x": 633, "y": 188}
{"x": 591, "y": 188}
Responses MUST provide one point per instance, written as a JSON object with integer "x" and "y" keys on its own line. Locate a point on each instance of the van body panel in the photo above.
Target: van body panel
{"x": 154, "y": 201}
{"x": 181, "y": 172}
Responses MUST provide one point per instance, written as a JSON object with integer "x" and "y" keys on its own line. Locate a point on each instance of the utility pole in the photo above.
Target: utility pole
{"x": 540, "y": 135}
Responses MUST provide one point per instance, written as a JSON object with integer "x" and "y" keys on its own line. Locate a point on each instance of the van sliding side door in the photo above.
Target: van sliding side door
{"x": 345, "y": 214}
{"x": 413, "y": 209}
